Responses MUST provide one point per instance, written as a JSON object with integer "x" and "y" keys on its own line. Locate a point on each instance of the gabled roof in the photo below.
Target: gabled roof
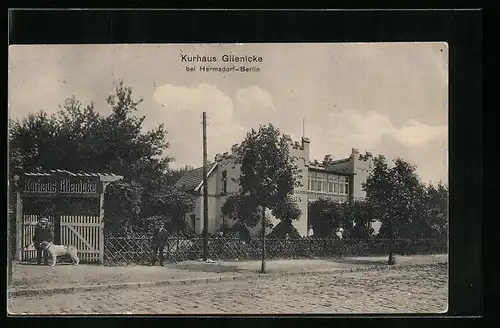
{"x": 192, "y": 180}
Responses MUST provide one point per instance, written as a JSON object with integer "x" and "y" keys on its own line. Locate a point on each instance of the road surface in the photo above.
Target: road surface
{"x": 405, "y": 290}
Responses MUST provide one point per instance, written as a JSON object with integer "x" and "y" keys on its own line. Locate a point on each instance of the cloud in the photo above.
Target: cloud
{"x": 204, "y": 97}
{"x": 417, "y": 134}
{"x": 423, "y": 145}
{"x": 369, "y": 129}
{"x": 254, "y": 106}
{"x": 254, "y": 97}
{"x": 181, "y": 110}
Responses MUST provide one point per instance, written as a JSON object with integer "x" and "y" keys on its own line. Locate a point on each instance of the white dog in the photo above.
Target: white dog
{"x": 59, "y": 250}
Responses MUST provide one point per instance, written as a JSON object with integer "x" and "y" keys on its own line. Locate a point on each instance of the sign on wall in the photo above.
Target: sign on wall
{"x": 62, "y": 185}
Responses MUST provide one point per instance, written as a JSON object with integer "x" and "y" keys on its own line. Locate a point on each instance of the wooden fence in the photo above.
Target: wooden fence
{"x": 136, "y": 248}
{"x": 81, "y": 231}
{"x": 84, "y": 233}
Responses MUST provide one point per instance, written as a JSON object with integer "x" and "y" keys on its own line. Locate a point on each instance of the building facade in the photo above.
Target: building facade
{"x": 340, "y": 180}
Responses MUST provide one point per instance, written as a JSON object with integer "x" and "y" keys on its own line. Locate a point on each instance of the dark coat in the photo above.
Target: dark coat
{"x": 160, "y": 238}
{"x": 42, "y": 234}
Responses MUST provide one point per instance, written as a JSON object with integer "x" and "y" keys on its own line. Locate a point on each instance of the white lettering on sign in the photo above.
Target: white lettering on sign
{"x": 62, "y": 185}
{"x": 77, "y": 186}
{"x": 40, "y": 186}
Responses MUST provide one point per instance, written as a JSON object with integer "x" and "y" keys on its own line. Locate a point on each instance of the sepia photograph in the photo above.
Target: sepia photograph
{"x": 219, "y": 179}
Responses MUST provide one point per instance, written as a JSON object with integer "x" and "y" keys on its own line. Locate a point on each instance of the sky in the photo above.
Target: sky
{"x": 385, "y": 98}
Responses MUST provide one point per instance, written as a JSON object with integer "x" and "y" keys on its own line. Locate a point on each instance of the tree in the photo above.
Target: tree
{"x": 268, "y": 172}
{"x": 287, "y": 210}
{"x": 241, "y": 208}
{"x": 437, "y": 209}
{"x": 174, "y": 204}
{"x": 32, "y": 143}
{"x": 357, "y": 219}
{"x": 395, "y": 197}
{"x": 122, "y": 206}
{"x": 325, "y": 216}
{"x": 77, "y": 138}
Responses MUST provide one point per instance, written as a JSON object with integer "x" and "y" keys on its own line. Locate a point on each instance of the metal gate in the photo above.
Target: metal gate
{"x": 85, "y": 233}
{"x": 30, "y": 222}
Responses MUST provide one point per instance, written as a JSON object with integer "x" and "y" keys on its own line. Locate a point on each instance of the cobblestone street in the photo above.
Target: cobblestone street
{"x": 404, "y": 290}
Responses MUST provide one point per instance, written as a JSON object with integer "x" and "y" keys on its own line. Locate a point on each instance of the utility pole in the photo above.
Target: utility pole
{"x": 205, "y": 190}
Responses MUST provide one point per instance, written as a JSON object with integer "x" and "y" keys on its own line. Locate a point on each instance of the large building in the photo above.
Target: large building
{"x": 339, "y": 179}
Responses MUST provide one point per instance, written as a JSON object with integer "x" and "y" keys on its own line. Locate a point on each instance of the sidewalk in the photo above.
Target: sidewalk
{"x": 31, "y": 279}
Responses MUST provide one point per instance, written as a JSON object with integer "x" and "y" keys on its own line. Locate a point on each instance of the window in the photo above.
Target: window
{"x": 224, "y": 182}
{"x": 320, "y": 184}
{"x": 193, "y": 221}
{"x": 331, "y": 183}
{"x": 311, "y": 182}
{"x": 344, "y": 185}
{"x": 334, "y": 181}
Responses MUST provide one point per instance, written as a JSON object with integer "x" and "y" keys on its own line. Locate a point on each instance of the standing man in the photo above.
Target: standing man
{"x": 42, "y": 233}
{"x": 160, "y": 239}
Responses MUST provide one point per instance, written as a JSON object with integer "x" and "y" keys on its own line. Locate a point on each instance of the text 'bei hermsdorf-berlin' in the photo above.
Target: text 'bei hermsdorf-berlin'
{"x": 222, "y": 64}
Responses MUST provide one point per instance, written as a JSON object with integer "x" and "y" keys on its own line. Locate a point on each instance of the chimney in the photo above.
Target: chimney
{"x": 305, "y": 146}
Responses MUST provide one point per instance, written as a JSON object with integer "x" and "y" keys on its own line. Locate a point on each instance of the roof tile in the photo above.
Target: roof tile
{"x": 191, "y": 179}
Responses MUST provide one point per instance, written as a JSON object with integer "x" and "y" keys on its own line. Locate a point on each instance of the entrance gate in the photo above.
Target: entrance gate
{"x": 75, "y": 202}
{"x": 83, "y": 232}
{"x": 30, "y": 221}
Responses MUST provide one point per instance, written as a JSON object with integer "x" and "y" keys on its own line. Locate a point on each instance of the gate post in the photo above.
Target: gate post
{"x": 19, "y": 227}
{"x": 101, "y": 221}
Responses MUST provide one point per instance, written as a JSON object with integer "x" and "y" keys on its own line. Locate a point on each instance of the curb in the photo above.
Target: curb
{"x": 176, "y": 282}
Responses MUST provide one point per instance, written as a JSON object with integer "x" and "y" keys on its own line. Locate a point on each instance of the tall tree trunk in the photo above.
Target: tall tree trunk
{"x": 263, "y": 235}
{"x": 391, "y": 260}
